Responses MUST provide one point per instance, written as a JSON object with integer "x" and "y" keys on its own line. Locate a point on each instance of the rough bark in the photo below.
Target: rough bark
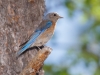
{"x": 18, "y": 20}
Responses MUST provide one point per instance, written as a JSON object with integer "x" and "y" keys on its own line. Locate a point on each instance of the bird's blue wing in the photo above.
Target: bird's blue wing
{"x": 34, "y": 37}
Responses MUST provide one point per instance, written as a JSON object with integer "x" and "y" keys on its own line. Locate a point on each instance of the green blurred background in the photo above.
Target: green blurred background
{"x": 82, "y": 57}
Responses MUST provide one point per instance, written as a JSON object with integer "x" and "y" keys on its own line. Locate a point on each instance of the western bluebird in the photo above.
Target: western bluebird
{"x": 43, "y": 33}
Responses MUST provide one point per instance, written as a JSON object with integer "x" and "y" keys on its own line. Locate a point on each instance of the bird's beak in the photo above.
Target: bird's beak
{"x": 60, "y": 17}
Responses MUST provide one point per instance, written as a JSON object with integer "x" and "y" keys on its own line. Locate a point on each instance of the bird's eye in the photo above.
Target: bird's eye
{"x": 54, "y": 14}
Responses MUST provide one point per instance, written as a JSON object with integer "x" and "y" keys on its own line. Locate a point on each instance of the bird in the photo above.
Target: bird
{"x": 43, "y": 32}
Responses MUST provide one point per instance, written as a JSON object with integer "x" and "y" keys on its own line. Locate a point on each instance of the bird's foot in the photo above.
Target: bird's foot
{"x": 40, "y": 47}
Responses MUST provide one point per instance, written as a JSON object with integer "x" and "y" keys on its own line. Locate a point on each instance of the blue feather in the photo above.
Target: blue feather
{"x": 34, "y": 37}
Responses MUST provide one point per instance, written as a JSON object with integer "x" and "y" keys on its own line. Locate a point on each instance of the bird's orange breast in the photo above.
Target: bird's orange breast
{"x": 46, "y": 36}
{"x": 51, "y": 29}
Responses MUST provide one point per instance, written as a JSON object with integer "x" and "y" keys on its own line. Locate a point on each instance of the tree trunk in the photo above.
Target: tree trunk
{"x": 18, "y": 20}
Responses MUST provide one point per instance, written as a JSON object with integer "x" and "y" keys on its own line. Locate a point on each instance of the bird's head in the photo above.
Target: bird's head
{"x": 53, "y": 16}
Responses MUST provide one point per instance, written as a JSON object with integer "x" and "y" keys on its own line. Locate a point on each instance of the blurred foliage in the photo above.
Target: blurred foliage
{"x": 50, "y": 70}
{"x": 89, "y": 48}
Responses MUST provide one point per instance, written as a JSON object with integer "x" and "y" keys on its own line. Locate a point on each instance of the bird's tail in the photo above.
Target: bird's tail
{"x": 23, "y": 49}
{"x": 19, "y": 52}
